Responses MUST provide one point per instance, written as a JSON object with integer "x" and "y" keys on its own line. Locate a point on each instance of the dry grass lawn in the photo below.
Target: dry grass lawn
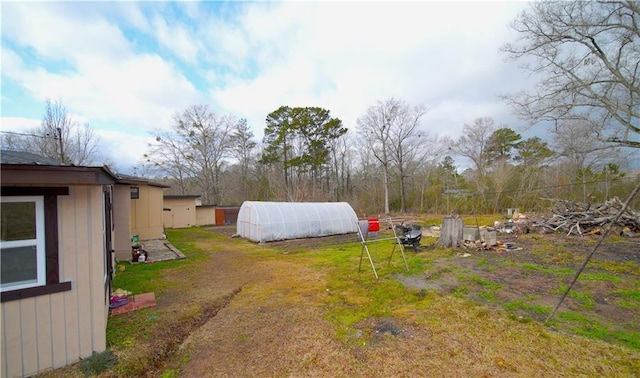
{"x": 279, "y": 310}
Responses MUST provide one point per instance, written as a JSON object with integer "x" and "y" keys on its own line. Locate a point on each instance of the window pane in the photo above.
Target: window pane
{"x": 19, "y": 265}
{"x": 18, "y": 221}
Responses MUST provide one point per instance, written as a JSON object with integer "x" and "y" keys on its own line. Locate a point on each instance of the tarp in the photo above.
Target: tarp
{"x": 268, "y": 221}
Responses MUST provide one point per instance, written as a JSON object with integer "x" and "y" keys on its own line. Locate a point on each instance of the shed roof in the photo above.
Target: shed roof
{"x": 134, "y": 180}
{"x": 21, "y": 168}
{"x": 27, "y": 158}
{"x": 181, "y": 196}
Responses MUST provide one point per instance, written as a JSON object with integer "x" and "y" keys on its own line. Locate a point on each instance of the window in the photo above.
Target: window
{"x": 22, "y": 246}
{"x": 29, "y": 242}
{"x": 135, "y": 192}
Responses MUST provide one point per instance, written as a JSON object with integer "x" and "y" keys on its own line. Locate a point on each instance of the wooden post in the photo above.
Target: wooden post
{"x": 451, "y": 232}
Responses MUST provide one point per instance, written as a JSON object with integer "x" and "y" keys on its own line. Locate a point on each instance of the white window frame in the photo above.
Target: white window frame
{"x": 38, "y": 242}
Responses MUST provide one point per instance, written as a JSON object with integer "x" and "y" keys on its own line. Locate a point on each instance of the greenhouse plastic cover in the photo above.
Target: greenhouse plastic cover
{"x": 268, "y": 221}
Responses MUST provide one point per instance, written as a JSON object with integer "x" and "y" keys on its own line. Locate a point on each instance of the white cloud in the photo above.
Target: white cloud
{"x": 347, "y": 56}
{"x": 255, "y": 57}
{"x": 19, "y": 124}
{"x": 176, "y": 38}
{"x": 106, "y": 80}
{"x": 130, "y": 148}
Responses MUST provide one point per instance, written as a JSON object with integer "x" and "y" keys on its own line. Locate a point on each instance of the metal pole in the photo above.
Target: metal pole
{"x": 61, "y": 145}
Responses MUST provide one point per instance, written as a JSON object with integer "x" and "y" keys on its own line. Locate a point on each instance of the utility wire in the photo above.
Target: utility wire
{"x": 32, "y": 135}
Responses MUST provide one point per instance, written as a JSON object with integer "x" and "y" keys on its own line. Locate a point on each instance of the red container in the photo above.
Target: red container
{"x": 374, "y": 224}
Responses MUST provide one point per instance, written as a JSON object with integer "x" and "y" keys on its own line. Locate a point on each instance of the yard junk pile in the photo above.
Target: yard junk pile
{"x": 589, "y": 219}
{"x": 133, "y": 302}
{"x": 138, "y": 254}
{"x": 119, "y": 298}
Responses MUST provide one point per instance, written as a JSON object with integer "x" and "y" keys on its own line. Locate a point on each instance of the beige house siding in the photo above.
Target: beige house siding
{"x": 146, "y": 213}
{"x": 205, "y": 215}
{"x": 51, "y": 331}
{"x": 182, "y": 212}
{"x": 122, "y": 221}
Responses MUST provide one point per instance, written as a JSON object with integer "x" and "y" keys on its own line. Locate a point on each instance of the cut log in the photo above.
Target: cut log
{"x": 451, "y": 232}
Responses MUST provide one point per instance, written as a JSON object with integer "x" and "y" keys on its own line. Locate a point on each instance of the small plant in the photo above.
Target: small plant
{"x": 586, "y": 300}
{"x": 97, "y": 363}
{"x": 461, "y": 291}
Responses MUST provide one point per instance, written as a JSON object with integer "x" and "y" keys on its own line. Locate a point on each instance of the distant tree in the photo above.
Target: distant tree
{"x": 586, "y": 55}
{"x": 375, "y": 127}
{"x": 195, "y": 149}
{"x": 242, "y": 146}
{"x": 532, "y": 151}
{"x": 474, "y": 145}
{"x": 574, "y": 142}
{"x": 59, "y": 137}
{"x": 474, "y": 142}
{"x": 317, "y": 129}
{"x": 408, "y": 143}
{"x": 278, "y": 141}
{"x": 168, "y": 156}
{"x": 341, "y": 166}
{"x": 299, "y": 139}
{"x": 501, "y": 144}
{"x": 391, "y": 131}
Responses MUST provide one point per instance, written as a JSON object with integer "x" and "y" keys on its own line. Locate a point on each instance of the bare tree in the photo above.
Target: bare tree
{"x": 474, "y": 145}
{"x": 340, "y": 166}
{"x": 168, "y": 156}
{"x": 390, "y": 129}
{"x": 375, "y": 127}
{"x": 242, "y": 146}
{"x": 586, "y": 55}
{"x": 406, "y": 142}
{"x": 195, "y": 149}
{"x": 59, "y": 137}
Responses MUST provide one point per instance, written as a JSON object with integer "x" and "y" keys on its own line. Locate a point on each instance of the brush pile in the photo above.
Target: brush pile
{"x": 589, "y": 219}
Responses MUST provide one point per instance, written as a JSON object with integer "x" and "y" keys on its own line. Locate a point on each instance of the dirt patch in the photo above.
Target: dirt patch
{"x": 538, "y": 274}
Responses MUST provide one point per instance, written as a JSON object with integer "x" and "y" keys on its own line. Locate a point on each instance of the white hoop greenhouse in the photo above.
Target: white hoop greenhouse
{"x": 268, "y": 221}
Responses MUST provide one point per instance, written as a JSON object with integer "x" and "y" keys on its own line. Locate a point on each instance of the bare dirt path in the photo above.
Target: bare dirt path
{"x": 270, "y": 328}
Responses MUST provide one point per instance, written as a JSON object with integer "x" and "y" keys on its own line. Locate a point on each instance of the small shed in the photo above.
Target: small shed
{"x": 138, "y": 205}
{"x": 180, "y": 210}
{"x": 268, "y": 221}
{"x": 207, "y": 215}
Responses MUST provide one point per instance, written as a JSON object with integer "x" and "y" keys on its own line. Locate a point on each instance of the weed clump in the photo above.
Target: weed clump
{"x": 97, "y": 363}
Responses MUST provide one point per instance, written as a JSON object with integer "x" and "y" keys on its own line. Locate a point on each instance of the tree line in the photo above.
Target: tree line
{"x": 387, "y": 163}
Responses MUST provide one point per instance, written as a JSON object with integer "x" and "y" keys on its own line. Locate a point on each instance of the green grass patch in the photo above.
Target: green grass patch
{"x": 629, "y": 267}
{"x": 629, "y": 294}
{"x": 485, "y": 283}
{"x": 520, "y": 306}
{"x": 461, "y": 291}
{"x": 600, "y": 277}
{"x": 586, "y": 300}
{"x": 549, "y": 270}
{"x": 583, "y": 325}
{"x": 627, "y": 304}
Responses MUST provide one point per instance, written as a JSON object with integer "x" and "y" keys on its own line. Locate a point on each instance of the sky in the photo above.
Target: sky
{"x": 127, "y": 67}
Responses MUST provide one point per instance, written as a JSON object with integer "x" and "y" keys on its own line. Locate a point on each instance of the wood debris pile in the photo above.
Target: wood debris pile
{"x": 589, "y": 219}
